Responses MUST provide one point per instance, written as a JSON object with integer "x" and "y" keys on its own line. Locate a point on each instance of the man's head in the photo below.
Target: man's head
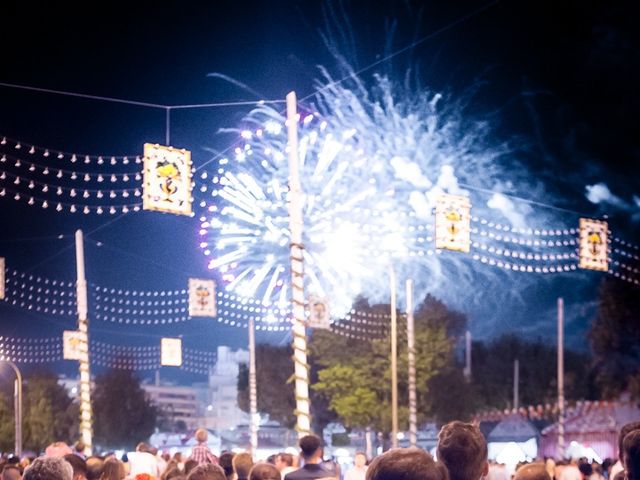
{"x": 283, "y": 460}
{"x": 463, "y": 449}
{"x": 532, "y": 471}
{"x": 310, "y": 448}
{"x": 631, "y": 454}
{"x": 94, "y": 467}
{"x": 11, "y": 472}
{"x": 143, "y": 447}
{"x": 79, "y": 466}
{"x": 264, "y": 471}
{"x": 208, "y": 471}
{"x": 406, "y": 464}
{"x": 57, "y": 449}
{"x": 242, "y": 463}
{"x": 360, "y": 459}
{"x": 623, "y": 433}
{"x": 226, "y": 462}
{"x": 49, "y": 468}
{"x": 201, "y": 435}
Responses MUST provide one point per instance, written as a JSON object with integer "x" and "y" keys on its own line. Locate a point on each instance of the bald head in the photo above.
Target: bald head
{"x": 532, "y": 471}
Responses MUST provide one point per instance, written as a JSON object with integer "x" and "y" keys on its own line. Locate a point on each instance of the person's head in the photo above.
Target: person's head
{"x": 94, "y": 467}
{"x": 360, "y": 459}
{"x": 112, "y": 469}
{"x": 283, "y": 460}
{"x": 631, "y": 454}
{"x": 79, "y": 447}
{"x": 226, "y": 462}
{"x": 79, "y": 466}
{"x": 57, "y": 449}
{"x": 406, "y": 464}
{"x": 189, "y": 465}
{"x": 463, "y": 449}
{"x": 264, "y": 471}
{"x": 201, "y": 435}
{"x": 49, "y": 468}
{"x": 11, "y": 472}
{"x": 310, "y": 447}
{"x": 207, "y": 471}
{"x": 242, "y": 463}
{"x": 532, "y": 471}
{"x": 585, "y": 469}
{"x": 623, "y": 433}
{"x": 143, "y": 447}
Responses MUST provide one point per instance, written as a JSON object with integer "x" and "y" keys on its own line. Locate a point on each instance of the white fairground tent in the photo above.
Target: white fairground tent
{"x": 182, "y": 442}
{"x": 513, "y": 440}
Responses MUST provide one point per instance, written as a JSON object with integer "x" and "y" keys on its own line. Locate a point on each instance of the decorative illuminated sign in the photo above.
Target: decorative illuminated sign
{"x": 171, "y": 352}
{"x": 202, "y": 298}
{"x": 167, "y": 179}
{"x": 72, "y": 345}
{"x": 318, "y": 314}
{"x": 593, "y": 244}
{"x": 453, "y": 223}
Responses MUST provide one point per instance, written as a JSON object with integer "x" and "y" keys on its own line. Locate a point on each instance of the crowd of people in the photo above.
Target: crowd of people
{"x": 461, "y": 454}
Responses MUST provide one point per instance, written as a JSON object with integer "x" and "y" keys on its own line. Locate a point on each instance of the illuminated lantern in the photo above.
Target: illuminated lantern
{"x": 453, "y": 225}
{"x": 594, "y": 244}
{"x": 318, "y": 314}
{"x": 167, "y": 179}
{"x": 171, "y": 352}
{"x": 202, "y": 298}
{"x": 72, "y": 342}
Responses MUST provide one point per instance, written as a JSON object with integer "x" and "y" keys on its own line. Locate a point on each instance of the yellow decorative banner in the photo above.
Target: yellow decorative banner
{"x": 171, "y": 352}
{"x": 72, "y": 345}
{"x": 2, "y": 280}
{"x": 318, "y": 314}
{"x": 202, "y": 298}
{"x": 167, "y": 179}
{"x": 453, "y": 223}
{"x": 594, "y": 244}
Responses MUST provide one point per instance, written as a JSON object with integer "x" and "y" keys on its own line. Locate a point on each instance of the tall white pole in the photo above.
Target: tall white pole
{"x": 560, "y": 378}
{"x": 253, "y": 391}
{"x": 86, "y": 429}
{"x": 394, "y": 361}
{"x": 467, "y": 355}
{"x": 17, "y": 406}
{"x": 411, "y": 360}
{"x": 516, "y": 384}
{"x": 303, "y": 406}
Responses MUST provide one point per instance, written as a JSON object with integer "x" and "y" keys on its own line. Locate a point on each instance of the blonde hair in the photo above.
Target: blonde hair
{"x": 201, "y": 435}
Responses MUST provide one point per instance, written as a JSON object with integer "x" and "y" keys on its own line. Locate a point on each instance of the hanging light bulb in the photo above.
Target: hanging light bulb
{"x": 136, "y": 192}
{"x": 3, "y": 192}
{"x": 138, "y": 160}
{"x": 31, "y": 184}
{"x": 59, "y": 207}
{"x": 72, "y": 209}
{"x": 114, "y": 179}
{"x": 113, "y": 160}
{"x": 125, "y": 178}
{"x": 59, "y": 174}
{"x": 31, "y": 202}
{"x": 3, "y": 159}
{"x": 18, "y": 146}
{"x": 112, "y": 194}
{"x": 45, "y": 188}
{"x": 99, "y": 194}
{"x": 45, "y": 204}
{"x": 18, "y": 163}
{"x": 74, "y": 159}
{"x": 87, "y": 159}
{"x": 4, "y": 141}
{"x": 74, "y": 175}
{"x": 100, "y": 160}
{"x": 85, "y": 194}
{"x": 125, "y": 209}
{"x": 125, "y": 161}
{"x": 87, "y": 177}
{"x": 17, "y": 181}
{"x": 138, "y": 177}
{"x": 32, "y": 168}
{"x": 85, "y": 210}
{"x": 16, "y": 196}
{"x": 46, "y": 153}
{"x": 100, "y": 178}
{"x": 59, "y": 191}
{"x": 32, "y": 150}
{"x": 3, "y": 176}
{"x": 112, "y": 210}
{"x": 99, "y": 210}
{"x": 125, "y": 193}
{"x": 45, "y": 171}
{"x": 72, "y": 193}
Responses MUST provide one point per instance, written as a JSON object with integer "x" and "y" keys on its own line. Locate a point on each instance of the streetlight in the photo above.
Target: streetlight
{"x": 17, "y": 402}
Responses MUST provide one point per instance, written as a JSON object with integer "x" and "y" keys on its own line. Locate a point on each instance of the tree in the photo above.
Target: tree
{"x": 123, "y": 415}
{"x": 276, "y": 396}
{"x": 7, "y": 425}
{"x": 49, "y": 414}
{"x": 355, "y": 375}
{"x": 615, "y": 338}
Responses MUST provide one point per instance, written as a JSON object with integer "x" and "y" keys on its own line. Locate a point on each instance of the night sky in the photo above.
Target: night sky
{"x": 558, "y": 79}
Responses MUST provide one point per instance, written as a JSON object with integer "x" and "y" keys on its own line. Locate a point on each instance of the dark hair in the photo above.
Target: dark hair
{"x": 623, "y": 433}
{"x": 226, "y": 462}
{"x": 631, "y": 454}
{"x": 189, "y": 465}
{"x": 264, "y": 471}
{"x": 309, "y": 444}
{"x": 78, "y": 464}
{"x": 11, "y": 472}
{"x": 585, "y": 469}
{"x": 463, "y": 449}
{"x": 532, "y": 471}
{"x": 94, "y": 467}
{"x": 208, "y": 471}
{"x": 242, "y": 464}
{"x": 286, "y": 458}
{"x": 406, "y": 464}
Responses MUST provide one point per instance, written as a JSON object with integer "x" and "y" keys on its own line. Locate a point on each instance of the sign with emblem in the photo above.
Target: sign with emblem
{"x": 594, "y": 244}
{"x": 202, "y": 298}
{"x": 167, "y": 179}
{"x": 453, "y": 223}
{"x": 171, "y": 352}
{"x": 318, "y": 314}
{"x": 72, "y": 341}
